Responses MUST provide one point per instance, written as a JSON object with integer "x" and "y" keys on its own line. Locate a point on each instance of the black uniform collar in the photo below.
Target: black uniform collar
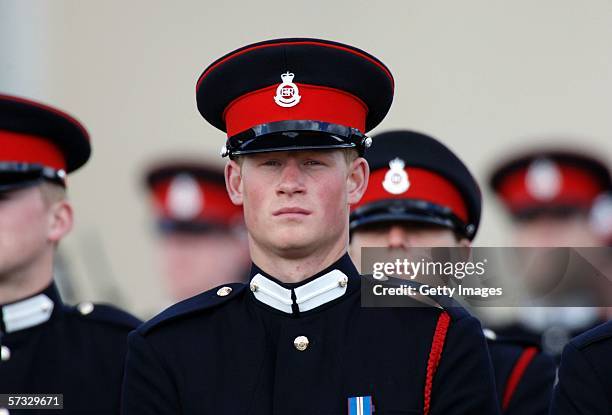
{"x": 31, "y": 311}
{"x": 326, "y": 286}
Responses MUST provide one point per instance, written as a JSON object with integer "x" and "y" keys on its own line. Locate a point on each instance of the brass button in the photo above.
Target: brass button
{"x": 301, "y": 343}
{"x": 223, "y": 291}
{"x": 85, "y": 308}
{"x": 253, "y": 287}
{"x": 343, "y": 281}
{"x": 5, "y": 354}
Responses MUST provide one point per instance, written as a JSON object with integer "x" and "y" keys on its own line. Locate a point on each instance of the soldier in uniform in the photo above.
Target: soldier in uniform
{"x": 585, "y": 381}
{"x": 552, "y": 195}
{"x": 202, "y": 241}
{"x": 421, "y": 194}
{"x": 48, "y": 347}
{"x": 296, "y": 340}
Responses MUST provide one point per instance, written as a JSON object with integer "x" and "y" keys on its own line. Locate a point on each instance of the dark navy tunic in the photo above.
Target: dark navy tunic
{"x": 226, "y": 352}
{"x": 585, "y": 375}
{"x": 57, "y": 349}
{"x": 524, "y": 376}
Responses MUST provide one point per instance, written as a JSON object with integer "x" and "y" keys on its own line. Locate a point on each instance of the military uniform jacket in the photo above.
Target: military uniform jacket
{"x": 585, "y": 375}
{"x": 49, "y": 347}
{"x": 524, "y": 375}
{"x": 305, "y": 349}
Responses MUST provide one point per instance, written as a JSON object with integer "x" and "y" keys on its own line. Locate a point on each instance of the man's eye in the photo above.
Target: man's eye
{"x": 271, "y": 163}
{"x": 313, "y": 163}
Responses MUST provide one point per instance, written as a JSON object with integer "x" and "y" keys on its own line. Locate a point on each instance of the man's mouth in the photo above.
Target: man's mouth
{"x": 291, "y": 211}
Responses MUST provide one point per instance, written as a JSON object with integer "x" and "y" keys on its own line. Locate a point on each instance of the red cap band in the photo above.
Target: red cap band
{"x": 572, "y": 186}
{"x": 424, "y": 185}
{"x": 198, "y": 201}
{"x": 25, "y": 148}
{"x": 317, "y": 103}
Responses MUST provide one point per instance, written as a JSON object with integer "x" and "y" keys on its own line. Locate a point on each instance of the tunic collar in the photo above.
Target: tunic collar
{"x": 30, "y": 311}
{"x": 294, "y": 298}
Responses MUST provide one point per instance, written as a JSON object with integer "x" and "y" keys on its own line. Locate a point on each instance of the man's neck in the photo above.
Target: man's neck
{"x": 295, "y": 268}
{"x": 25, "y": 283}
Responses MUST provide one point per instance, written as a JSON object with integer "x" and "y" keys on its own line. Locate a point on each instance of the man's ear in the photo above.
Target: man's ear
{"x": 233, "y": 182}
{"x": 357, "y": 179}
{"x": 61, "y": 219}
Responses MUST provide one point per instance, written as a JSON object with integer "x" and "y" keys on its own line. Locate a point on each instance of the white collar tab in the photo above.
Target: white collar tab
{"x": 309, "y": 296}
{"x": 27, "y": 313}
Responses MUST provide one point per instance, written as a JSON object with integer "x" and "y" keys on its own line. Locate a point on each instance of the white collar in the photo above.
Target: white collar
{"x": 309, "y": 296}
{"x": 27, "y": 313}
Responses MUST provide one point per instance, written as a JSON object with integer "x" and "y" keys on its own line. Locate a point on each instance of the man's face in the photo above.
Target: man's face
{"x": 555, "y": 231}
{"x": 401, "y": 236}
{"x": 24, "y": 227}
{"x": 193, "y": 263}
{"x": 296, "y": 202}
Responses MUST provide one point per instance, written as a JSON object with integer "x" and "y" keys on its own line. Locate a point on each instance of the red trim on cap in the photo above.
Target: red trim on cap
{"x": 216, "y": 206}
{"x": 310, "y": 43}
{"x": 517, "y": 374}
{"x": 424, "y": 185}
{"x": 578, "y": 187}
{"x": 435, "y": 354}
{"x": 26, "y": 148}
{"x": 317, "y": 103}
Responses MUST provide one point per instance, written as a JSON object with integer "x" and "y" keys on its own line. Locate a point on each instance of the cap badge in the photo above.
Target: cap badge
{"x": 396, "y": 180}
{"x": 543, "y": 179}
{"x": 185, "y": 198}
{"x": 287, "y": 93}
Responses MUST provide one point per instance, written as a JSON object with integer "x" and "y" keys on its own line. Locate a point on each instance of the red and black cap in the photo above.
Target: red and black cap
{"x": 415, "y": 178}
{"x": 190, "y": 196}
{"x": 550, "y": 180}
{"x": 292, "y": 94}
{"x": 38, "y": 142}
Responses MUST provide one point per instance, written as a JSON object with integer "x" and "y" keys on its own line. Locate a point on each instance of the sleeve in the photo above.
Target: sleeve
{"x": 147, "y": 385}
{"x": 464, "y": 382}
{"x": 534, "y": 390}
{"x": 579, "y": 390}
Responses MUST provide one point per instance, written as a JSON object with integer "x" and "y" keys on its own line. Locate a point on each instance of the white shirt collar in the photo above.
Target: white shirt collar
{"x": 309, "y": 296}
{"x": 27, "y": 313}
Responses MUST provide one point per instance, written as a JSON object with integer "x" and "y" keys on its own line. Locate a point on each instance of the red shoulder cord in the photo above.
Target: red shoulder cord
{"x": 517, "y": 373}
{"x": 434, "y": 357}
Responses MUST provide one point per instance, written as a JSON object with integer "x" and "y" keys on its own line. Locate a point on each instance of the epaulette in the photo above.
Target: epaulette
{"x": 104, "y": 313}
{"x": 595, "y": 335}
{"x": 204, "y": 301}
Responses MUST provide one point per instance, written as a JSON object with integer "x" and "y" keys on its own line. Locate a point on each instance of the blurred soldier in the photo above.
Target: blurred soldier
{"x": 296, "y": 339}
{"x": 434, "y": 201}
{"x": 550, "y": 195}
{"x": 202, "y": 241}
{"x": 585, "y": 375}
{"x": 48, "y": 347}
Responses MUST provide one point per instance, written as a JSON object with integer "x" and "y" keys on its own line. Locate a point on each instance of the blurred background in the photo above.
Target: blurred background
{"x": 487, "y": 77}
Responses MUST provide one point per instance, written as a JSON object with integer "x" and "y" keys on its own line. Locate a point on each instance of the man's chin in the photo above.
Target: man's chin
{"x": 294, "y": 246}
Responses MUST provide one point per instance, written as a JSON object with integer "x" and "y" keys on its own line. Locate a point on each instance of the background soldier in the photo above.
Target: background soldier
{"x": 202, "y": 241}
{"x": 437, "y": 203}
{"x": 297, "y": 339}
{"x": 48, "y": 347}
{"x": 550, "y": 195}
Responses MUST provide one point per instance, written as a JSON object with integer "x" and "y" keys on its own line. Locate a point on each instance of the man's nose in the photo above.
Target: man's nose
{"x": 291, "y": 180}
{"x": 397, "y": 237}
